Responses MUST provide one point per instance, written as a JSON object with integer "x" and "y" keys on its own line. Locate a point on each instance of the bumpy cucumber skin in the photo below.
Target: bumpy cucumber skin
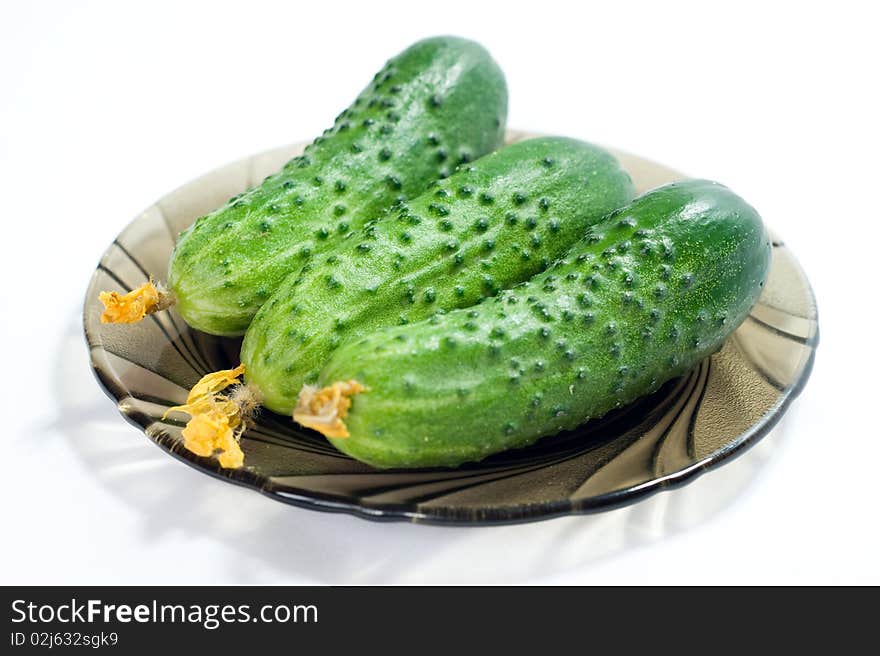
{"x": 653, "y": 289}
{"x": 441, "y": 102}
{"x": 491, "y": 225}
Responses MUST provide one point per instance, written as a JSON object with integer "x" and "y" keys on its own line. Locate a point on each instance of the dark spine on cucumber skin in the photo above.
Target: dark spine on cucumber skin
{"x": 493, "y": 224}
{"x": 650, "y": 292}
{"x": 438, "y": 104}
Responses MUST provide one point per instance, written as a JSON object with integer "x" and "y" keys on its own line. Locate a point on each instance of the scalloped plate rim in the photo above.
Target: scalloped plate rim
{"x": 497, "y": 514}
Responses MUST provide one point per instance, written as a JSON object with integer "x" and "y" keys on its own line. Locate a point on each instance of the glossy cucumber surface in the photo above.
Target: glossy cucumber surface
{"x": 652, "y": 290}
{"x": 489, "y": 226}
{"x": 441, "y": 102}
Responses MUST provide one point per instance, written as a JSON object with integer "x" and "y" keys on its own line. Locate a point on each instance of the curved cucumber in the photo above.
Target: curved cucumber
{"x": 489, "y": 226}
{"x": 652, "y": 290}
{"x": 443, "y": 101}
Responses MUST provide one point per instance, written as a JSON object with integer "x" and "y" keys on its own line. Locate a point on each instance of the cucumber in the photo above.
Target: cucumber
{"x": 491, "y": 225}
{"x": 440, "y": 103}
{"x": 652, "y": 290}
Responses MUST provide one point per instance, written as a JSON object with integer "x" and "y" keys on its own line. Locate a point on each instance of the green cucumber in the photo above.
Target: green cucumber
{"x": 652, "y": 290}
{"x": 440, "y": 103}
{"x": 491, "y": 225}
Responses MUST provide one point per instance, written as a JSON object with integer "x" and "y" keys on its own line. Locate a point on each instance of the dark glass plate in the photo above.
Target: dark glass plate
{"x": 723, "y": 406}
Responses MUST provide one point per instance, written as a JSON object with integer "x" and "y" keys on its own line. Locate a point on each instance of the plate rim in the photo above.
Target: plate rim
{"x": 497, "y": 515}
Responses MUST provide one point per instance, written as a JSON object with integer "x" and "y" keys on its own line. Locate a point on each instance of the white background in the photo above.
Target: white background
{"x": 105, "y": 107}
